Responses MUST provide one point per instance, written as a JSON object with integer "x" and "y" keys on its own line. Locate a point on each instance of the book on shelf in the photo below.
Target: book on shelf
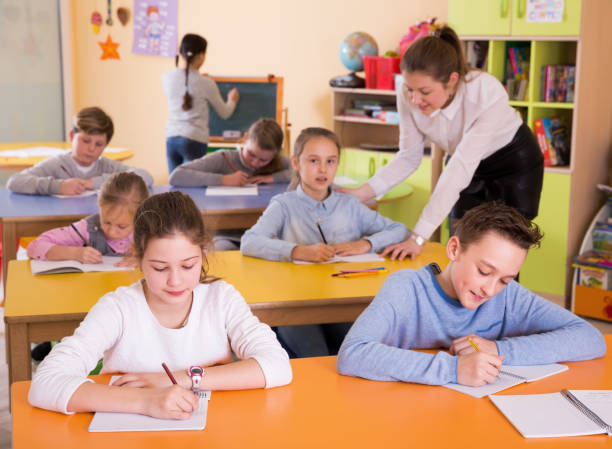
{"x": 594, "y": 258}
{"x": 557, "y": 83}
{"x": 553, "y": 139}
{"x": 517, "y": 72}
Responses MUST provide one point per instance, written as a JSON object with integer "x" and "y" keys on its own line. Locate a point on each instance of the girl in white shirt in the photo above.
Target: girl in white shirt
{"x": 495, "y": 157}
{"x": 189, "y": 95}
{"x": 177, "y": 315}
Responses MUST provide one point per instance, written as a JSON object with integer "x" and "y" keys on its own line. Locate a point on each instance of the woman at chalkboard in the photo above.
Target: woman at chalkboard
{"x": 189, "y": 94}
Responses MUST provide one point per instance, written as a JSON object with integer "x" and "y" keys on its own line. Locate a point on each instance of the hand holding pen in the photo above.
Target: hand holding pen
{"x": 238, "y": 178}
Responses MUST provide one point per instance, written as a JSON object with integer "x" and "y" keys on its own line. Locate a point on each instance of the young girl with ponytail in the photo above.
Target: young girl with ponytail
{"x": 465, "y": 112}
{"x": 189, "y": 94}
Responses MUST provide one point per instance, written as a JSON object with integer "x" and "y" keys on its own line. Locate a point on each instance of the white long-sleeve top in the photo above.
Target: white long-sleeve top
{"x": 478, "y": 122}
{"x": 121, "y": 329}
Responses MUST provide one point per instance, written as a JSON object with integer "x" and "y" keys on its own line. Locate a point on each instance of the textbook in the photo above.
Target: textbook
{"x": 509, "y": 376}
{"x": 133, "y": 422}
{"x": 74, "y": 266}
{"x": 564, "y": 414}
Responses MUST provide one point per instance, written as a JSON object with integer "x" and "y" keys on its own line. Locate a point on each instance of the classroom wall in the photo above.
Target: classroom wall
{"x": 296, "y": 40}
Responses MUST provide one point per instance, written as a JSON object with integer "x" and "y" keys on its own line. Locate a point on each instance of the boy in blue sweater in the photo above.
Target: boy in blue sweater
{"x": 475, "y": 296}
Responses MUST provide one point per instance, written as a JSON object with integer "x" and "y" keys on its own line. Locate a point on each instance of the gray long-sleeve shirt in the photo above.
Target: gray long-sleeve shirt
{"x": 210, "y": 169}
{"x": 45, "y": 177}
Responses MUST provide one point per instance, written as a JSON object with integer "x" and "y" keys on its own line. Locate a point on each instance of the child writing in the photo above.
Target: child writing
{"x": 258, "y": 161}
{"x": 189, "y": 95}
{"x": 80, "y": 170}
{"x": 176, "y": 315}
{"x": 313, "y": 223}
{"x": 108, "y": 233}
{"x": 474, "y": 297}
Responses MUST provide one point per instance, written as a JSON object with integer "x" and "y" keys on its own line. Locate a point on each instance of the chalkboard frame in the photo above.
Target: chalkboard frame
{"x": 270, "y": 79}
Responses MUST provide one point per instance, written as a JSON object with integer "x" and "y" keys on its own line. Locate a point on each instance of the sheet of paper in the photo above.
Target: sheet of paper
{"x": 367, "y": 257}
{"x": 599, "y": 401}
{"x": 74, "y": 266}
{"x": 86, "y": 193}
{"x": 130, "y": 422}
{"x": 544, "y": 415}
{"x": 248, "y": 190}
{"x": 33, "y": 151}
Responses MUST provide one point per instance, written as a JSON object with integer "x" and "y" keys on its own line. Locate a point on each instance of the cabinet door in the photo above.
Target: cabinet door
{"x": 480, "y": 17}
{"x": 569, "y": 25}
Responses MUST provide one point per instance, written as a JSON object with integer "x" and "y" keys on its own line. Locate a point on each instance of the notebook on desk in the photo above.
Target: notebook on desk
{"x": 133, "y": 422}
{"x": 509, "y": 376}
{"x": 74, "y": 266}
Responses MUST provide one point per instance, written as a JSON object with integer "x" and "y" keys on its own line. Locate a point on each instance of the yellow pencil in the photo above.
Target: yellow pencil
{"x": 474, "y": 344}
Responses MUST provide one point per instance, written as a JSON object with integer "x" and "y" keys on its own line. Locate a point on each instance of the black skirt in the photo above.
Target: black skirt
{"x": 512, "y": 175}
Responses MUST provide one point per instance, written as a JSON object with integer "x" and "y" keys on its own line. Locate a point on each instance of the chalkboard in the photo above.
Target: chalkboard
{"x": 259, "y": 97}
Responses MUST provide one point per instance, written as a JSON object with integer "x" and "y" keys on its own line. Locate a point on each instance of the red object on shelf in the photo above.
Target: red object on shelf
{"x": 380, "y": 71}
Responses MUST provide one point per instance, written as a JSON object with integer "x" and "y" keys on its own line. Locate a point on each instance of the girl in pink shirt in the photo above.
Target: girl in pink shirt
{"x": 108, "y": 233}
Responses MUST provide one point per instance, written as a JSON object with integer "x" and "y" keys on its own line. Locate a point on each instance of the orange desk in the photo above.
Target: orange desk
{"x": 20, "y": 163}
{"x": 322, "y": 409}
{"x": 42, "y": 308}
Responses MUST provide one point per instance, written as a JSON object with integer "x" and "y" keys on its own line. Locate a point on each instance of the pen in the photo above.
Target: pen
{"x": 169, "y": 373}
{"x": 355, "y": 272}
{"x": 321, "y": 231}
{"x": 356, "y": 275}
{"x": 474, "y": 344}
{"x": 78, "y": 233}
{"x": 381, "y": 269}
{"x": 66, "y": 171}
{"x": 227, "y": 159}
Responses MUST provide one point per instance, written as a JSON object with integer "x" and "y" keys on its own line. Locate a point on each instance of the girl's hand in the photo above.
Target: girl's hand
{"x": 143, "y": 380}
{"x": 261, "y": 179}
{"x": 478, "y": 368}
{"x": 401, "y": 250}
{"x": 73, "y": 186}
{"x": 364, "y": 193}
{"x": 87, "y": 254}
{"x": 319, "y": 252}
{"x": 462, "y": 345}
{"x": 172, "y": 402}
{"x": 351, "y": 248}
{"x": 238, "y": 178}
{"x": 128, "y": 261}
{"x": 233, "y": 95}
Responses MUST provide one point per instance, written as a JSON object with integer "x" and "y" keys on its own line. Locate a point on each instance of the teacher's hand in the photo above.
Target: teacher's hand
{"x": 399, "y": 251}
{"x": 364, "y": 193}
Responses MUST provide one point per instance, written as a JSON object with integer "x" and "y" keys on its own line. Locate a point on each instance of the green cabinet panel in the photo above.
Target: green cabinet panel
{"x": 479, "y": 17}
{"x": 569, "y": 25}
{"x": 544, "y": 269}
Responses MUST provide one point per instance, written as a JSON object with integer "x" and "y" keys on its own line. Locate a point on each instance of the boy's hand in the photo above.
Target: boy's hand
{"x": 462, "y": 345}
{"x": 351, "y": 248}
{"x": 87, "y": 254}
{"x": 172, "y": 402}
{"x": 238, "y": 178}
{"x": 319, "y": 252}
{"x": 73, "y": 186}
{"x": 478, "y": 368}
{"x": 400, "y": 251}
{"x": 261, "y": 179}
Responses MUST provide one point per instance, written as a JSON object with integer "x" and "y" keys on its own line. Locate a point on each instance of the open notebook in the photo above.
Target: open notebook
{"x": 74, "y": 266}
{"x": 367, "y": 257}
{"x": 509, "y": 376}
{"x": 132, "y": 422}
{"x": 564, "y": 414}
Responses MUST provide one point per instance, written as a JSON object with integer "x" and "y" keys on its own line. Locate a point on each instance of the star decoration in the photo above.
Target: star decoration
{"x": 109, "y": 49}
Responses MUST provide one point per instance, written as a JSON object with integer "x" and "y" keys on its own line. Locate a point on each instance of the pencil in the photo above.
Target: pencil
{"x": 474, "y": 344}
{"x": 353, "y": 272}
{"x": 356, "y": 275}
{"x": 227, "y": 159}
{"x": 66, "y": 171}
{"x": 168, "y": 373}
{"x": 321, "y": 232}
{"x": 78, "y": 233}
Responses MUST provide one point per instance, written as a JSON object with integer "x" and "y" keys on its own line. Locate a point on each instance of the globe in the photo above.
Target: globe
{"x": 354, "y": 46}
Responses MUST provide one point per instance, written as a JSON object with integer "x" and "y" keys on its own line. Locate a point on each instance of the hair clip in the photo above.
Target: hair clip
{"x": 189, "y": 53}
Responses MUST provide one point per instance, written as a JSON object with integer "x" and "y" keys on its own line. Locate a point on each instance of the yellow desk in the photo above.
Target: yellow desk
{"x": 11, "y": 162}
{"x": 322, "y": 409}
{"x": 41, "y": 308}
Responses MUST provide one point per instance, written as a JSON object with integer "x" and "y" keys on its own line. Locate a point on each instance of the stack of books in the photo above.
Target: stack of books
{"x": 517, "y": 73}
{"x": 557, "y": 83}
{"x": 554, "y": 140}
{"x": 375, "y": 109}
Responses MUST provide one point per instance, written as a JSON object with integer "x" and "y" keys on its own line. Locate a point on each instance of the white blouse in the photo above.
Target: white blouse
{"x": 478, "y": 122}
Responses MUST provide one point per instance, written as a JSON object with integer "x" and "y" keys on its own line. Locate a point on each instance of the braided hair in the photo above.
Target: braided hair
{"x": 191, "y": 46}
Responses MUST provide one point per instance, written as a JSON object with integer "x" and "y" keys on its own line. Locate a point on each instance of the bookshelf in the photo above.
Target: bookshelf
{"x": 569, "y": 197}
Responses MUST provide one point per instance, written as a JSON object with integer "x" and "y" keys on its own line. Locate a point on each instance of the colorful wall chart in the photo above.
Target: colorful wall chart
{"x": 155, "y": 27}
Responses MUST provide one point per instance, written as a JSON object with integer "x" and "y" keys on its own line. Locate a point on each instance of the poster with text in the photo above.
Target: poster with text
{"x": 545, "y": 10}
{"x": 155, "y": 27}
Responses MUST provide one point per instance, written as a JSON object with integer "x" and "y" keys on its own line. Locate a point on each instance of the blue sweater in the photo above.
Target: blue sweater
{"x": 411, "y": 311}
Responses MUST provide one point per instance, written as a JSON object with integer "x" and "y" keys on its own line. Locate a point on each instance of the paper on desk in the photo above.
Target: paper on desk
{"x": 86, "y": 193}
{"x": 33, "y": 151}
{"x": 74, "y": 266}
{"x": 367, "y": 257}
{"x": 132, "y": 422}
{"x": 248, "y": 190}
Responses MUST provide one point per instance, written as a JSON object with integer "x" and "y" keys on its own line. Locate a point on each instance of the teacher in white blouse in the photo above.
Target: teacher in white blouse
{"x": 494, "y": 156}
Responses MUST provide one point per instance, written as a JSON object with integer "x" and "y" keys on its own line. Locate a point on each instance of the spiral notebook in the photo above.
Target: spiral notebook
{"x": 509, "y": 376}
{"x": 565, "y": 414}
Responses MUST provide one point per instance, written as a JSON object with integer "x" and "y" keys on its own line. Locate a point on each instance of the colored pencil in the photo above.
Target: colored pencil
{"x": 78, "y": 233}
{"x": 474, "y": 344}
{"x": 227, "y": 159}
{"x": 169, "y": 373}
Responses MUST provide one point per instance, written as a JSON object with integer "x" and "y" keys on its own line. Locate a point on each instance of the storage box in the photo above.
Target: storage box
{"x": 380, "y": 71}
{"x": 593, "y": 302}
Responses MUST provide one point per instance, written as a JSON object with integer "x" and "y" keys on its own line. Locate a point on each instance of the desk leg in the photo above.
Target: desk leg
{"x": 9, "y": 248}
{"x": 18, "y": 355}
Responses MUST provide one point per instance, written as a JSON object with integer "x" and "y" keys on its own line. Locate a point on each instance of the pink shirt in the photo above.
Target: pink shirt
{"x": 65, "y": 236}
